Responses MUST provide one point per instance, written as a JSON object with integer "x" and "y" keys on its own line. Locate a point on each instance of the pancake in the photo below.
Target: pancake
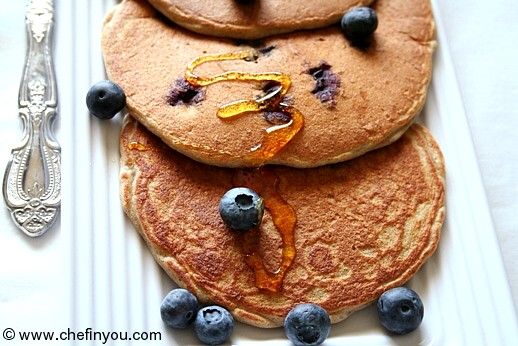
{"x": 352, "y": 100}
{"x": 363, "y": 226}
{"x": 254, "y": 18}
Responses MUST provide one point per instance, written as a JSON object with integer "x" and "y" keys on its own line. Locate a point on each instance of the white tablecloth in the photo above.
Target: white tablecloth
{"x": 482, "y": 39}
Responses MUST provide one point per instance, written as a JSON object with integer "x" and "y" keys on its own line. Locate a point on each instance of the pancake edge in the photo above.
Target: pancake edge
{"x": 209, "y": 27}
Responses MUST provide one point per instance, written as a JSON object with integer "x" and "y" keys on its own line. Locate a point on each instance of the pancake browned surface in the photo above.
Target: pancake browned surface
{"x": 363, "y": 226}
{"x": 382, "y": 88}
{"x": 256, "y": 18}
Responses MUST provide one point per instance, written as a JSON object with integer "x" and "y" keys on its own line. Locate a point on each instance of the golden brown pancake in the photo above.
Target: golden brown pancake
{"x": 257, "y": 18}
{"x": 364, "y": 99}
{"x": 363, "y": 226}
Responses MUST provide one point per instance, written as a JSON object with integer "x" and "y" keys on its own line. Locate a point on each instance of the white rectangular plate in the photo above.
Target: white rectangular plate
{"x": 95, "y": 271}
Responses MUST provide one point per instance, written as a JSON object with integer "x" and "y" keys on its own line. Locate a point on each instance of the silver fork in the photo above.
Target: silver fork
{"x": 32, "y": 181}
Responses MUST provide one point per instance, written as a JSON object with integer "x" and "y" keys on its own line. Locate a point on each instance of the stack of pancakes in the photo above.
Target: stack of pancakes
{"x": 367, "y": 185}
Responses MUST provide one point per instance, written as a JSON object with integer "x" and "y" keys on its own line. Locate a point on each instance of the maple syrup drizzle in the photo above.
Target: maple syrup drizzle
{"x": 266, "y": 183}
{"x": 275, "y": 137}
{"x": 136, "y": 146}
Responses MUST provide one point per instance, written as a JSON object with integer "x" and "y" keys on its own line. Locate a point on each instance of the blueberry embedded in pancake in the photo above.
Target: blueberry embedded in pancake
{"x": 327, "y": 83}
{"x": 184, "y": 93}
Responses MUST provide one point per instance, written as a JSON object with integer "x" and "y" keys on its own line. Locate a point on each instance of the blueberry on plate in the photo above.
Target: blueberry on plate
{"x": 400, "y": 310}
{"x": 359, "y": 23}
{"x": 241, "y": 209}
{"x": 105, "y": 99}
{"x": 213, "y": 325}
{"x": 307, "y": 325}
{"x": 179, "y": 308}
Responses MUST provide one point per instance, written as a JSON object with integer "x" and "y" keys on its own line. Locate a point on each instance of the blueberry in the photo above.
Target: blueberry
{"x": 241, "y": 209}
{"x": 179, "y": 308}
{"x": 359, "y": 23}
{"x": 213, "y": 325}
{"x": 400, "y": 310}
{"x": 105, "y": 99}
{"x": 307, "y": 325}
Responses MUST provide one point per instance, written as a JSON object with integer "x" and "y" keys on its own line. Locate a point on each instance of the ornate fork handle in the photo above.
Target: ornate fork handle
{"x": 32, "y": 181}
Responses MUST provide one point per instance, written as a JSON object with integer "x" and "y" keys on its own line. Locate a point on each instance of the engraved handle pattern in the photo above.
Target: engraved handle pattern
{"x": 32, "y": 181}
